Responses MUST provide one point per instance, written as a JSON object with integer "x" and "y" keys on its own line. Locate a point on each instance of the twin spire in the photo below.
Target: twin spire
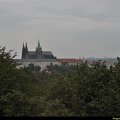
{"x": 27, "y": 54}
{"x": 24, "y": 51}
{"x": 25, "y": 47}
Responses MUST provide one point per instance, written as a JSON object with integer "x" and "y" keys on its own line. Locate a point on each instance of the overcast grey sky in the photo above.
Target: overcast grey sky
{"x": 68, "y": 28}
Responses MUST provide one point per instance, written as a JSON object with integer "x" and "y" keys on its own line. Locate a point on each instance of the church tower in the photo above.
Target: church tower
{"x": 39, "y": 51}
{"x": 25, "y": 52}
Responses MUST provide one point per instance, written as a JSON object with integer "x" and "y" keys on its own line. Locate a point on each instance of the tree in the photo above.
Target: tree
{"x": 88, "y": 91}
{"x": 7, "y": 71}
{"x": 17, "y": 89}
{"x": 69, "y": 91}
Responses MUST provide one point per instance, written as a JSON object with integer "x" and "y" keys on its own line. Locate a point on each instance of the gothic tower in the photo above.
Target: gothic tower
{"x": 39, "y": 51}
{"x": 24, "y": 51}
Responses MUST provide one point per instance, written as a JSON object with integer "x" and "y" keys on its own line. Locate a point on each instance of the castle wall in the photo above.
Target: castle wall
{"x": 42, "y": 63}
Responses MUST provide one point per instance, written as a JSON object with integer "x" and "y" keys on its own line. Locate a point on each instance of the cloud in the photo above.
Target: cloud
{"x": 69, "y": 28}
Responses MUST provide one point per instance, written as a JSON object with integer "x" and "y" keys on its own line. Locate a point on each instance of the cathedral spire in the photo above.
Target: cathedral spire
{"x": 39, "y": 44}
{"x": 26, "y": 48}
{"x": 23, "y": 51}
{"x": 39, "y": 51}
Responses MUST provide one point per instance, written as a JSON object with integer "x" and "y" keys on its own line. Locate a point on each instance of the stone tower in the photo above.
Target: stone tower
{"x": 39, "y": 51}
{"x": 25, "y": 52}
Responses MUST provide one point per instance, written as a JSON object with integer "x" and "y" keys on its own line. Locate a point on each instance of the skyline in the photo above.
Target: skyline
{"x": 68, "y": 28}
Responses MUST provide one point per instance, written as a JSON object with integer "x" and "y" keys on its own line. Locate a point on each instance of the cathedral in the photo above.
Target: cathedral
{"x": 37, "y": 58}
{"x": 42, "y": 59}
{"x": 38, "y": 54}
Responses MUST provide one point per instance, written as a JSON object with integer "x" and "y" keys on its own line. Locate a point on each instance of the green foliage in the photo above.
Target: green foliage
{"x": 64, "y": 91}
{"x": 33, "y": 68}
{"x": 88, "y": 91}
{"x": 14, "y": 103}
{"x": 7, "y": 71}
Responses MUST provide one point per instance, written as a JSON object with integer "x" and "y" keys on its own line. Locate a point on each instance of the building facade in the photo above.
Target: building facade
{"x": 37, "y": 54}
{"x": 37, "y": 58}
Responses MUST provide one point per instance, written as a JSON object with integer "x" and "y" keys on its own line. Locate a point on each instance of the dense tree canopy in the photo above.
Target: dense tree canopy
{"x": 66, "y": 91}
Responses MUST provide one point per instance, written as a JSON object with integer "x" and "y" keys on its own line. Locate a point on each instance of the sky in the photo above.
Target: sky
{"x": 68, "y": 28}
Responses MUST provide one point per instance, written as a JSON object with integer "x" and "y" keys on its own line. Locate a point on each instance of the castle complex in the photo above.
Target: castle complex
{"x": 42, "y": 59}
{"x": 37, "y": 58}
{"x": 38, "y": 54}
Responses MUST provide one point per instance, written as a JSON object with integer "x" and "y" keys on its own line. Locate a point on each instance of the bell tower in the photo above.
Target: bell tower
{"x": 39, "y": 51}
{"x": 25, "y": 52}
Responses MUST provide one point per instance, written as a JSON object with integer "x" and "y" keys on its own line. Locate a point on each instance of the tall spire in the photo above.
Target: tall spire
{"x": 23, "y": 51}
{"x": 39, "y": 44}
{"x": 39, "y": 51}
{"x": 26, "y": 48}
